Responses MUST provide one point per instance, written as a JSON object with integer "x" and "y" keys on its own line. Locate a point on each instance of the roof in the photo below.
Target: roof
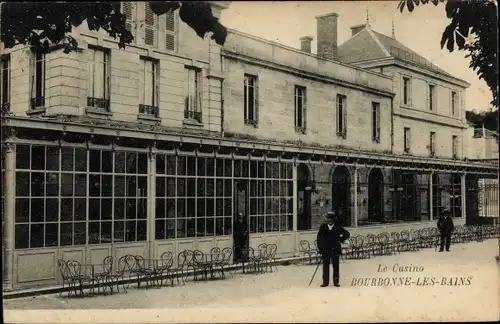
{"x": 369, "y": 45}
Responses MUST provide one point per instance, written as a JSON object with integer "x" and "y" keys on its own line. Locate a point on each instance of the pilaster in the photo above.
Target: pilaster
{"x": 463, "y": 193}
{"x": 294, "y": 206}
{"x": 431, "y": 197}
{"x": 151, "y": 203}
{"x": 355, "y": 200}
{"x": 9, "y": 214}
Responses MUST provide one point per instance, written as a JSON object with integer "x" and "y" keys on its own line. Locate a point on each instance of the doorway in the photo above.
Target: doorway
{"x": 304, "y": 220}
{"x": 341, "y": 195}
{"x": 241, "y": 237}
{"x": 376, "y": 196}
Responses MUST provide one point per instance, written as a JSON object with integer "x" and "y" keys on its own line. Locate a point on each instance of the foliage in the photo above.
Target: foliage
{"x": 488, "y": 119}
{"x": 473, "y": 28}
{"x": 43, "y": 24}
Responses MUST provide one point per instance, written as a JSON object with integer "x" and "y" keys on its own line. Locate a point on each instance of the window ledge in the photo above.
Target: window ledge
{"x": 252, "y": 123}
{"x": 98, "y": 112}
{"x": 149, "y": 118}
{"x": 36, "y": 111}
{"x": 191, "y": 123}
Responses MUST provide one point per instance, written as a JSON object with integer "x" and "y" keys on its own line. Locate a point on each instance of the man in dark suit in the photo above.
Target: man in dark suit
{"x": 445, "y": 226}
{"x": 330, "y": 236}
{"x": 240, "y": 234}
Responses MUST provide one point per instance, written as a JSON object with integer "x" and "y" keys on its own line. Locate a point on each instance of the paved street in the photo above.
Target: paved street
{"x": 460, "y": 285}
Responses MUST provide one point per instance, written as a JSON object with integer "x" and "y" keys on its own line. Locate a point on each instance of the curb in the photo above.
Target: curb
{"x": 59, "y": 289}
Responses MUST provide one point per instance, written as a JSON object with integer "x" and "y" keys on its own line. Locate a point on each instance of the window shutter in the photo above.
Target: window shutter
{"x": 33, "y": 74}
{"x": 170, "y": 31}
{"x": 156, "y": 101}
{"x": 378, "y": 123}
{"x": 91, "y": 73}
{"x": 149, "y": 26}
{"x": 409, "y": 92}
{"x": 256, "y": 101}
{"x": 304, "y": 110}
{"x": 127, "y": 10}
{"x": 344, "y": 117}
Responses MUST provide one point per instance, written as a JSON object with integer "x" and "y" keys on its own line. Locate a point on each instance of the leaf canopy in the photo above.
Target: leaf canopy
{"x": 473, "y": 28}
{"x": 44, "y": 24}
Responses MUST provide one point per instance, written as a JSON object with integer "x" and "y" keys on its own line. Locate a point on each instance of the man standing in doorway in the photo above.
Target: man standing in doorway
{"x": 240, "y": 233}
{"x": 330, "y": 236}
{"x": 445, "y": 226}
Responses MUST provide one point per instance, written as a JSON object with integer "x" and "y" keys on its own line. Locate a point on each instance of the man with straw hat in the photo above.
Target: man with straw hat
{"x": 445, "y": 226}
{"x": 330, "y": 236}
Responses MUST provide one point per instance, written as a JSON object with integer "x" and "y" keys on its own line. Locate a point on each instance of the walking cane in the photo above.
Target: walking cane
{"x": 314, "y": 274}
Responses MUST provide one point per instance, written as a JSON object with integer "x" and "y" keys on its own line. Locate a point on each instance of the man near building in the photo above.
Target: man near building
{"x": 445, "y": 226}
{"x": 240, "y": 233}
{"x": 330, "y": 236}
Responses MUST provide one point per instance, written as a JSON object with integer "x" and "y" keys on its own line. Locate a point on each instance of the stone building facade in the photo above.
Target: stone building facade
{"x": 154, "y": 148}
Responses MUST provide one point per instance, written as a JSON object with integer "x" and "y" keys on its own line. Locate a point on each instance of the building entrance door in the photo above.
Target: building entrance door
{"x": 241, "y": 236}
{"x": 341, "y": 192}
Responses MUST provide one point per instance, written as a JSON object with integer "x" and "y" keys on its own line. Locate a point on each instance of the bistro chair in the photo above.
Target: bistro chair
{"x": 104, "y": 277}
{"x": 66, "y": 278}
{"x": 143, "y": 272}
{"x": 307, "y": 251}
{"x": 75, "y": 273}
{"x": 166, "y": 262}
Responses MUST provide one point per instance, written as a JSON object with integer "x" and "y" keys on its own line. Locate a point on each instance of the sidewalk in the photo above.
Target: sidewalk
{"x": 469, "y": 291}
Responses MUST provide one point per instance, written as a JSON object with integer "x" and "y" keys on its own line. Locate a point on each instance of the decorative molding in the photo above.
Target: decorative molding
{"x": 304, "y": 74}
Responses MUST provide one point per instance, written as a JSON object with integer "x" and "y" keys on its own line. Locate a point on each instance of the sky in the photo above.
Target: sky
{"x": 421, "y": 30}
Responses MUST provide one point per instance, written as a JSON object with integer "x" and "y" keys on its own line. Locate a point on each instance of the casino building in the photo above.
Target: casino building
{"x": 156, "y": 147}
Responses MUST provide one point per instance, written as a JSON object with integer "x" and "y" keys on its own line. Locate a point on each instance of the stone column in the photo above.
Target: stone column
{"x": 355, "y": 200}
{"x": 151, "y": 203}
{"x": 463, "y": 193}
{"x": 294, "y": 207}
{"x": 9, "y": 214}
{"x": 431, "y": 197}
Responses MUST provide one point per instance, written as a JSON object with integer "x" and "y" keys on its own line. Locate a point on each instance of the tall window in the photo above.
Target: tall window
{"x": 150, "y": 26}
{"x": 270, "y": 203}
{"x": 38, "y": 80}
{"x": 341, "y": 116}
{"x": 98, "y": 88}
{"x": 37, "y": 197}
{"x": 96, "y": 196}
{"x": 453, "y": 103}
{"x": 149, "y": 105}
{"x": 251, "y": 113}
{"x": 376, "y": 122}
{"x": 129, "y": 9}
{"x": 406, "y": 91}
{"x": 300, "y": 109}
{"x": 130, "y": 196}
{"x": 454, "y": 145}
{"x": 432, "y": 143}
{"x": 406, "y": 139}
{"x": 5, "y": 82}
{"x": 170, "y": 31}
{"x": 193, "y": 97}
{"x": 193, "y": 196}
{"x": 431, "y": 97}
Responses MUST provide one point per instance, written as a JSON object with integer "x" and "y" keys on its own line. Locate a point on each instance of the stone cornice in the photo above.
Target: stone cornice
{"x": 215, "y": 139}
{"x": 301, "y": 73}
{"x": 388, "y": 61}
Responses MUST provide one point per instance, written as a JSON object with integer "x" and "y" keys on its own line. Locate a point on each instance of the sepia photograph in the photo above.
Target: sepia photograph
{"x": 250, "y": 161}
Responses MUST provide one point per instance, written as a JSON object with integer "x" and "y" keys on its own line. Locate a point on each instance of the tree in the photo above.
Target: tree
{"x": 45, "y": 24}
{"x": 487, "y": 119}
{"x": 473, "y": 28}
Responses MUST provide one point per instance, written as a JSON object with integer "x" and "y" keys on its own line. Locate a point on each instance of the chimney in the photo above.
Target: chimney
{"x": 305, "y": 44}
{"x": 327, "y": 35}
{"x": 356, "y": 29}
